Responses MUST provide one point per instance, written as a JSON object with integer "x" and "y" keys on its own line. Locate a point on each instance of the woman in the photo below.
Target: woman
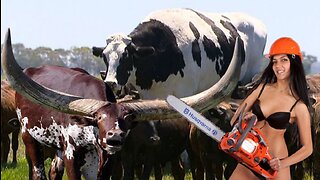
{"x": 279, "y": 100}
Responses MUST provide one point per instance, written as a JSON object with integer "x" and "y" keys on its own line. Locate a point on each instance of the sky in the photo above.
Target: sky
{"x": 66, "y": 23}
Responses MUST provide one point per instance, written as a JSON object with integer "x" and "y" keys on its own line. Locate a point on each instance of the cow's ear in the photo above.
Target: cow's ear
{"x": 14, "y": 122}
{"x": 97, "y": 51}
{"x": 145, "y": 51}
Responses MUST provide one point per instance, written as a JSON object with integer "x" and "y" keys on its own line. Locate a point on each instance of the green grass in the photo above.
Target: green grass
{"x": 20, "y": 170}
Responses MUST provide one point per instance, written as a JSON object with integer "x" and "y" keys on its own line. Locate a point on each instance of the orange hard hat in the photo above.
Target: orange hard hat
{"x": 285, "y": 45}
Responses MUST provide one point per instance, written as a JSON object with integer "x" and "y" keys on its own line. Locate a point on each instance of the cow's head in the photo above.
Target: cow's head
{"x": 111, "y": 54}
{"x": 114, "y": 119}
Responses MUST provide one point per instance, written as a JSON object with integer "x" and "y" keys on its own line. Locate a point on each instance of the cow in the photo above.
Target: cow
{"x": 182, "y": 52}
{"x": 108, "y": 121}
{"x": 314, "y": 94}
{"x": 72, "y": 136}
{"x": 140, "y": 151}
{"x": 8, "y": 117}
{"x": 207, "y": 159}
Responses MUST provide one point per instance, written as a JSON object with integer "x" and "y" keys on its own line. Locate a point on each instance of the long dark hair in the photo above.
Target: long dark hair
{"x": 297, "y": 78}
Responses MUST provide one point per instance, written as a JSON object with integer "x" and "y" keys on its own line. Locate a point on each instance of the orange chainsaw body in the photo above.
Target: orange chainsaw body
{"x": 251, "y": 152}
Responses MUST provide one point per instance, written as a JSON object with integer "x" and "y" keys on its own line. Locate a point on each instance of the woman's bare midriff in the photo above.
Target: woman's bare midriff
{"x": 275, "y": 139}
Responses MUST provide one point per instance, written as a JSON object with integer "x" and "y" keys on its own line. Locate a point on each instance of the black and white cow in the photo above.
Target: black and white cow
{"x": 182, "y": 51}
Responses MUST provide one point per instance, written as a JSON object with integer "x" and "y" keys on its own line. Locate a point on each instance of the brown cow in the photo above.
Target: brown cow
{"x": 8, "y": 115}
{"x": 109, "y": 121}
{"x": 74, "y": 137}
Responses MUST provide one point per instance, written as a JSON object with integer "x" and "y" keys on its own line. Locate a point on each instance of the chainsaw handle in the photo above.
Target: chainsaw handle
{"x": 271, "y": 172}
{"x": 240, "y": 118}
{"x": 246, "y": 131}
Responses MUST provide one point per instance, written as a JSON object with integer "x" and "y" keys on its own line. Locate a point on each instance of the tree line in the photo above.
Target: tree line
{"x": 82, "y": 57}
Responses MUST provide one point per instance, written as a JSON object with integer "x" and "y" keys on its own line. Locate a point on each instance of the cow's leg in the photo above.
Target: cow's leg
{"x": 5, "y": 147}
{"x": 147, "y": 168}
{"x": 73, "y": 163}
{"x": 231, "y": 166}
{"x": 90, "y": 166}
{"x": 128, "y": 168}
{"x": 34, "y": 154}
{"x": 192, "y": 161}
{"x": 15, "y": 145}
{"x": 219, "y": 171}
{"x": 138, "y": 170}
{"x": 73, "y": 172}
{"x": 177, "y": 169}
{"x": 117, "y": 169}
{"x": 57, "y": 167}
{"x": 193, "y": 150}
{"x": 158, "y": 171}
{"x": 196, "y": 166}
{"x": 208, "y": 166}
{"x": 107, "y": 164}
{"x": 199, "y": 171}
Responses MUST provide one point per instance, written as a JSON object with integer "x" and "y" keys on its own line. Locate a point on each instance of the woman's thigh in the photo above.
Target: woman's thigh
{"x": 243, "y": 173}
{"x": 283, "y": 174}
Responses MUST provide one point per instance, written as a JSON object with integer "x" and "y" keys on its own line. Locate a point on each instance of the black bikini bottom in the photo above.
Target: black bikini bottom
{"x": 258, "y": 175}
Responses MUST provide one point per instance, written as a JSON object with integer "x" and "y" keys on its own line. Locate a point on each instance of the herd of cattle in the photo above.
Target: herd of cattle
{"x": 90, "y": 132}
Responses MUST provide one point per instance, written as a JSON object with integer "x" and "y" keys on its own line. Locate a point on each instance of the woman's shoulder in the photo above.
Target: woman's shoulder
{"x": 301, "y": 106}
{"x": 261, "y": 85}
{"x": 256, "y": 91}
{"x": 300, "y": 111}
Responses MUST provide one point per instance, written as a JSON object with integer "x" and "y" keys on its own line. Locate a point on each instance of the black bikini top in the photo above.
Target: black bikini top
{"x": 277, "y": 120}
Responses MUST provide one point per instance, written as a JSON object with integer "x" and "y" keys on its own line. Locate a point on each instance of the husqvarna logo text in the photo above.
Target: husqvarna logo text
{"x": 197, "y": 120}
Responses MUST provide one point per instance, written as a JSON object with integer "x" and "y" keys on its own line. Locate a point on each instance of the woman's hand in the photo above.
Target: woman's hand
{"x": 275, "y": 164}
{"x": 247, "y": 116}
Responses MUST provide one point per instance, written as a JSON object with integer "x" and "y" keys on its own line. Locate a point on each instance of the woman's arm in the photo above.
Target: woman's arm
{"x": 249, "y": 101}
{"x": 304, "y": 126}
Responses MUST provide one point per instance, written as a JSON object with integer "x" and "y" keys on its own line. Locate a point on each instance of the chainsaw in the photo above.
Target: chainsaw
{"x": 244, "y": 143}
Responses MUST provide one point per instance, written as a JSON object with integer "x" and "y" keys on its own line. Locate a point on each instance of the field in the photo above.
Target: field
{"x": 20, "y": 171}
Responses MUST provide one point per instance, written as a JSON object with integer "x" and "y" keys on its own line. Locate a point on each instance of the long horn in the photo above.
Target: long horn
{"x": 39, "y": 94}
{"x": 159, "y": 109}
